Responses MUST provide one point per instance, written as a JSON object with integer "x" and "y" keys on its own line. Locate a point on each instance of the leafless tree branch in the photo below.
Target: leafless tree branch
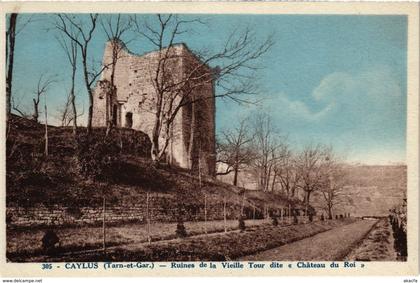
{"x": 235, "y": 60}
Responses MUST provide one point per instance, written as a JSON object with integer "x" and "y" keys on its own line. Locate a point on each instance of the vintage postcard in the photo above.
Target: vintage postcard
{"x": 218, "y": 139}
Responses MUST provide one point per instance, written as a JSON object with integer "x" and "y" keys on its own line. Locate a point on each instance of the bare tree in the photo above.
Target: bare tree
{"x": 70, "y": 49}
{"x": 287, "y": 174}
{"x": 12, "y": 31}
{"x": 46, "y": 125}
{"x": 114, "y": 27}
{"x": 332, "y": 191}
{"x": 42, "y": 87}
{"x": 67, "y": 24}
{"x": 312, "y": 166}
{"x": 234, "y": 76}
{"x": 10, "y": 52}
{"x": 17, "y": 108}
{"x": 235, "y": 150}
{"x": 65, "y": 112}
{"x": 267, "y": 146}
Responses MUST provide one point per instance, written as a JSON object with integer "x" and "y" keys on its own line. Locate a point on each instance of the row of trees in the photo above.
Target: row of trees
{"x": 257, "y": 147}
{"x": 231, "y": 67}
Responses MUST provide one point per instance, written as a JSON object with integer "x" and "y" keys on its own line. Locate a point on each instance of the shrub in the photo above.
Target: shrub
{"x": 311, "y": 217}
{"x": 131, "y": 173}
{"x": 96, "y": 157}
{"x": 275, "y": 222}
{"x": 134, "y": 142}
{"x": 398, "y": 220}
{"x": 241, "y": 224}
{"x": 74, "y": 211}
{"x": 180, "y": 232}
{"x": 49, "y": 241}
{"x": 295, "y": 219}
{"x": 322, "y": 217}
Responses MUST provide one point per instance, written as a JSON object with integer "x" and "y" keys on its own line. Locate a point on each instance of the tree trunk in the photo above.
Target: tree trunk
{"x": 156, "y": 131}
{"x": 262, "y": 179}
{"x": 36, "y": 113}
{"x": 267, "y": 179}
{"x": 224, "y": 214}
{"x": 307, "y": 196}
{"x": 236, "y": 168}
{"x": 155, "y": 141}
{"x": 46, "y": 127}
{"x": 73, "y": 101}
{"x": 110, "y": 95}
{"x": 274, "y": 182}
{"x": 235, "y": 175}
{"x": 89, "y": 90}
{"x": 103, "y": 223}
{"x": 330, "y": 212}
{"x": 11, "y": 41}
{"x": 90, "y": 113}
{"x": 109, "y": 111}
{"x": 155, "y": 148}
{"x": 192, "y": 151}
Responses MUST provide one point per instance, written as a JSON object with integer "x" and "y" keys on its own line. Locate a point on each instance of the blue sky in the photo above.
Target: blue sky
{"x": 339, "y": 80}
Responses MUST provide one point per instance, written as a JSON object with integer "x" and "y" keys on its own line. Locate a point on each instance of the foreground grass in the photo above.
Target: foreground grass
{"x": 24, "y": 243}
{"x": 377, "y": 246}
{"x": 211, "y": 247}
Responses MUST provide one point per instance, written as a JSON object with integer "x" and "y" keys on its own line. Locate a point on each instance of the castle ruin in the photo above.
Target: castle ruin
{"x": 133, "y": 103}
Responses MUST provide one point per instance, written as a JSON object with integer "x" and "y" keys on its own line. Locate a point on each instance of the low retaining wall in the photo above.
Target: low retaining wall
{"x": 160, "y": 211}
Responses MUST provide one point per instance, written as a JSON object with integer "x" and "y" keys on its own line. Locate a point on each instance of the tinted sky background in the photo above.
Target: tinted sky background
{"x": 339, "y": 80}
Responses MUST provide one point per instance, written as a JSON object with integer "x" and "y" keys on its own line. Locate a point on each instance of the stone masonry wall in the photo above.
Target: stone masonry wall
{"x": 201, "y": 128}
{"x": 55, "y": 216}
{"x": 136, "y": 97}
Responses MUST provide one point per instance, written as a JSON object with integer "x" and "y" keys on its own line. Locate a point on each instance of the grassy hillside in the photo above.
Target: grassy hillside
{"x": 34, "y": 179}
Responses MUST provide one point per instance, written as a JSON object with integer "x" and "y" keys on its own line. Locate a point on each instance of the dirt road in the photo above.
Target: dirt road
{"x": 331, "y": 245}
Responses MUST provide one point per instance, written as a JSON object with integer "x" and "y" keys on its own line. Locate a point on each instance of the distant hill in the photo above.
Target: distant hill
{"x": 370, "y": 190}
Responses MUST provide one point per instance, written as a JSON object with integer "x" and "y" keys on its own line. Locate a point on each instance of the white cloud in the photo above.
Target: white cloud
{"x": 283, "y": 106}
{"x": 335, "y": 83}
{"x": 369, "y": 96}
{"x": 361, "y": 114}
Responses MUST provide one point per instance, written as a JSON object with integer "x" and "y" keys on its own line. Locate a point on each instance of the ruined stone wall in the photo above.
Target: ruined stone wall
{"x": 136, "y": 100}
{"x": 206, "y": 130}
{"x": 161, "y": 210}
{"x": 200, "y": 130}
{"x": 121, "y": 79}
{"x": 100, "y": 104}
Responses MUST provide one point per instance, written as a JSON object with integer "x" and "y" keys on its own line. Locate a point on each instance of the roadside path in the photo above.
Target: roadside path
{"x": 378, "y": 245}
{"x": 331, "y": 245}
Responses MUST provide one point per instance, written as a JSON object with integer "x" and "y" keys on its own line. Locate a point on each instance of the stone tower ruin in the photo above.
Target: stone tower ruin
{"x": 131, "y": 104}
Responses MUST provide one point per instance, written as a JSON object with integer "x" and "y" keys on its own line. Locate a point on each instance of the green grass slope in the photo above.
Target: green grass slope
{"x": 34, "y": 179}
